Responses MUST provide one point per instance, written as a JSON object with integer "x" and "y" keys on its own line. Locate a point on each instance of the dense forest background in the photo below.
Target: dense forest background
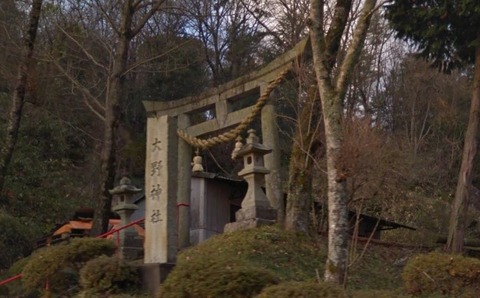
{"x": 404, "y": 128}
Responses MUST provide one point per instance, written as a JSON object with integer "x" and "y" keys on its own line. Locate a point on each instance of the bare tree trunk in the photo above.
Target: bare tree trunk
{"x": 337, "y": 193}
{"x": 18, "y": 98}
{"x": 305, "y": 146}
{"x": 333, "y": 86}
{"x": 458, "y": 214}
{"x": 112, "y": 118}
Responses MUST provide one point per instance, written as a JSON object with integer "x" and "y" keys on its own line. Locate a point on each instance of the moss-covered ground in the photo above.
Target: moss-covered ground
{"x": 271, "y": 262}
{"x": 286, "y": 256}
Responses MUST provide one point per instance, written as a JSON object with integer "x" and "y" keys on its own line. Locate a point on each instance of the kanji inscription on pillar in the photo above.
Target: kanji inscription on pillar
{"x": 160, "y": 190}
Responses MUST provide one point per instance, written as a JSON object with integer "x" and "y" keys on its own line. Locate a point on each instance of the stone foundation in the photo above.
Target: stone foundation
{"x": 247, "y": 224}
{"x": 253, "y": 212}
{"x": 153, "y": 275}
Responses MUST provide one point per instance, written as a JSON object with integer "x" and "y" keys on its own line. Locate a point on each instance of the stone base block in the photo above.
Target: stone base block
{"x": 256, "y": 212}
{"x": 246, "y": 224}
{"x": 153, "y": 275}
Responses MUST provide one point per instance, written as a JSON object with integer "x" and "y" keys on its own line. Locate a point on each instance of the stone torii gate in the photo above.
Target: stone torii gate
{"x": 168, "y": 160}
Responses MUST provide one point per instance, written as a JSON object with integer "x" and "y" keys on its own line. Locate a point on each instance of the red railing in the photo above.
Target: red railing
{"x": 111, "y": 232}
{"x": 10, "y": 279}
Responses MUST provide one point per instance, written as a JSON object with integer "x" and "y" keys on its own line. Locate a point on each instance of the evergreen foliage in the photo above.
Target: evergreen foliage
{"x": 15, "y": 289}
{"x": 172, "y": 76}
{"x": 15, "y": 240}
{"x": 108, "y": 275}
{"x": 57, "y": 262}
{"x": 217, "y": 279}
{"x": 240, "y": 264}
{"x": 303, "y": 289}
{"x": 397, "y": 293}
{"x": 445, "y": 32}
{"x": 43, "y": 187}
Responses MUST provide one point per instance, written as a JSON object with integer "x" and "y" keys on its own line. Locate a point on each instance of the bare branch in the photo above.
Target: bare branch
{"x": 317, "y": 37}
{"x": 335, "y": 32}
{"x": 155, "y": 7}
{"x": 355, "y": 48}
{"x": 84, "y": 50}
{"x": 136, "y": 4}
{"x": 257, "y": 19}
{"x": 139, "y": 63}
{"x": 85, "y": 92}
{"x": 109, "y": 20}
{"x": 92, "y": 108}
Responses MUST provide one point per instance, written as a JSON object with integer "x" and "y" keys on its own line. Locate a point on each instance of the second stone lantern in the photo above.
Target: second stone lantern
{"x": 130, "y": 244}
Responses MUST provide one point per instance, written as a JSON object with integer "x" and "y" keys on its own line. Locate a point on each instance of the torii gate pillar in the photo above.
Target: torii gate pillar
{"x": 273, "y": 180}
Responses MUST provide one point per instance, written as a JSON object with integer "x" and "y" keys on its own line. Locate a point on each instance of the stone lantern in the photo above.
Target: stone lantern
{"x": 130, "y": 243}
{"x": 256, "y": 209}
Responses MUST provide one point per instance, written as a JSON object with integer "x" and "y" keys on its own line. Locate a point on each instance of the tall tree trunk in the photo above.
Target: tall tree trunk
{"x": 458, "y": 214}
{"x": 305, "y": 146}
{"x": 18, "y": 98}
{"x": 333, "y": 86}
{"x": 337, "y": 191}
{"x": 112, "y": 118}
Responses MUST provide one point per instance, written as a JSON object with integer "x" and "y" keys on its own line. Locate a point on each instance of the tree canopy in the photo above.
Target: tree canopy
{"x": 445, "y": 32}
{"x": 448, "y": 33}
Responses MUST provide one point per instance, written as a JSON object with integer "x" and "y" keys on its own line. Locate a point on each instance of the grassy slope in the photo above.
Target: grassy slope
{"x": 290, "y": 257}
{"x": 296, "y": 257}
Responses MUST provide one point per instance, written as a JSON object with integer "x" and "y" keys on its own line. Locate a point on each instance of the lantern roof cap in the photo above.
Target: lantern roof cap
{"x": 125, "y": 187}
{"x": 252, "y": 146}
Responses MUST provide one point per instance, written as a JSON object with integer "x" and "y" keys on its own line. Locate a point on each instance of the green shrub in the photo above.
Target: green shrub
{"x": 82, "y": 250}
{"x": 444, "y": 274}
{"x": 216, "y": 279}
{"x": 302, "y": 289}
{"x": 15, "y": 240}
{"x": 108, "y": 275}
{"x": 290, "y": 255}
{"x": 15, "y": 288}
{"x": 58, "y": 262}
{"x": 398, "y": 293}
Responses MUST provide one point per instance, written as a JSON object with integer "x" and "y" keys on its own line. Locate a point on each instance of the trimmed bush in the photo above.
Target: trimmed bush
{"x": 290, "y": 255}
{"x": 216, "y": 279}
{"x": 57, "y": 262}
{"x": 303, "y": 289}
{"x": 439, "y": 273}
{"x": 109, "y": 275}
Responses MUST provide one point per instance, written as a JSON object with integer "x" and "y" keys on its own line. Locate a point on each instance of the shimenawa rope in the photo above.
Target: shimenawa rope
{"x": 233, "y": 133}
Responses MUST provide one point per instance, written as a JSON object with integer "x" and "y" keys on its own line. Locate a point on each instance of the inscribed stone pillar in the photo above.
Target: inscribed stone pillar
{"x": 161, "y": 190}
{"x": 184, "y": 185}
{"x": 273, "y": 180}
